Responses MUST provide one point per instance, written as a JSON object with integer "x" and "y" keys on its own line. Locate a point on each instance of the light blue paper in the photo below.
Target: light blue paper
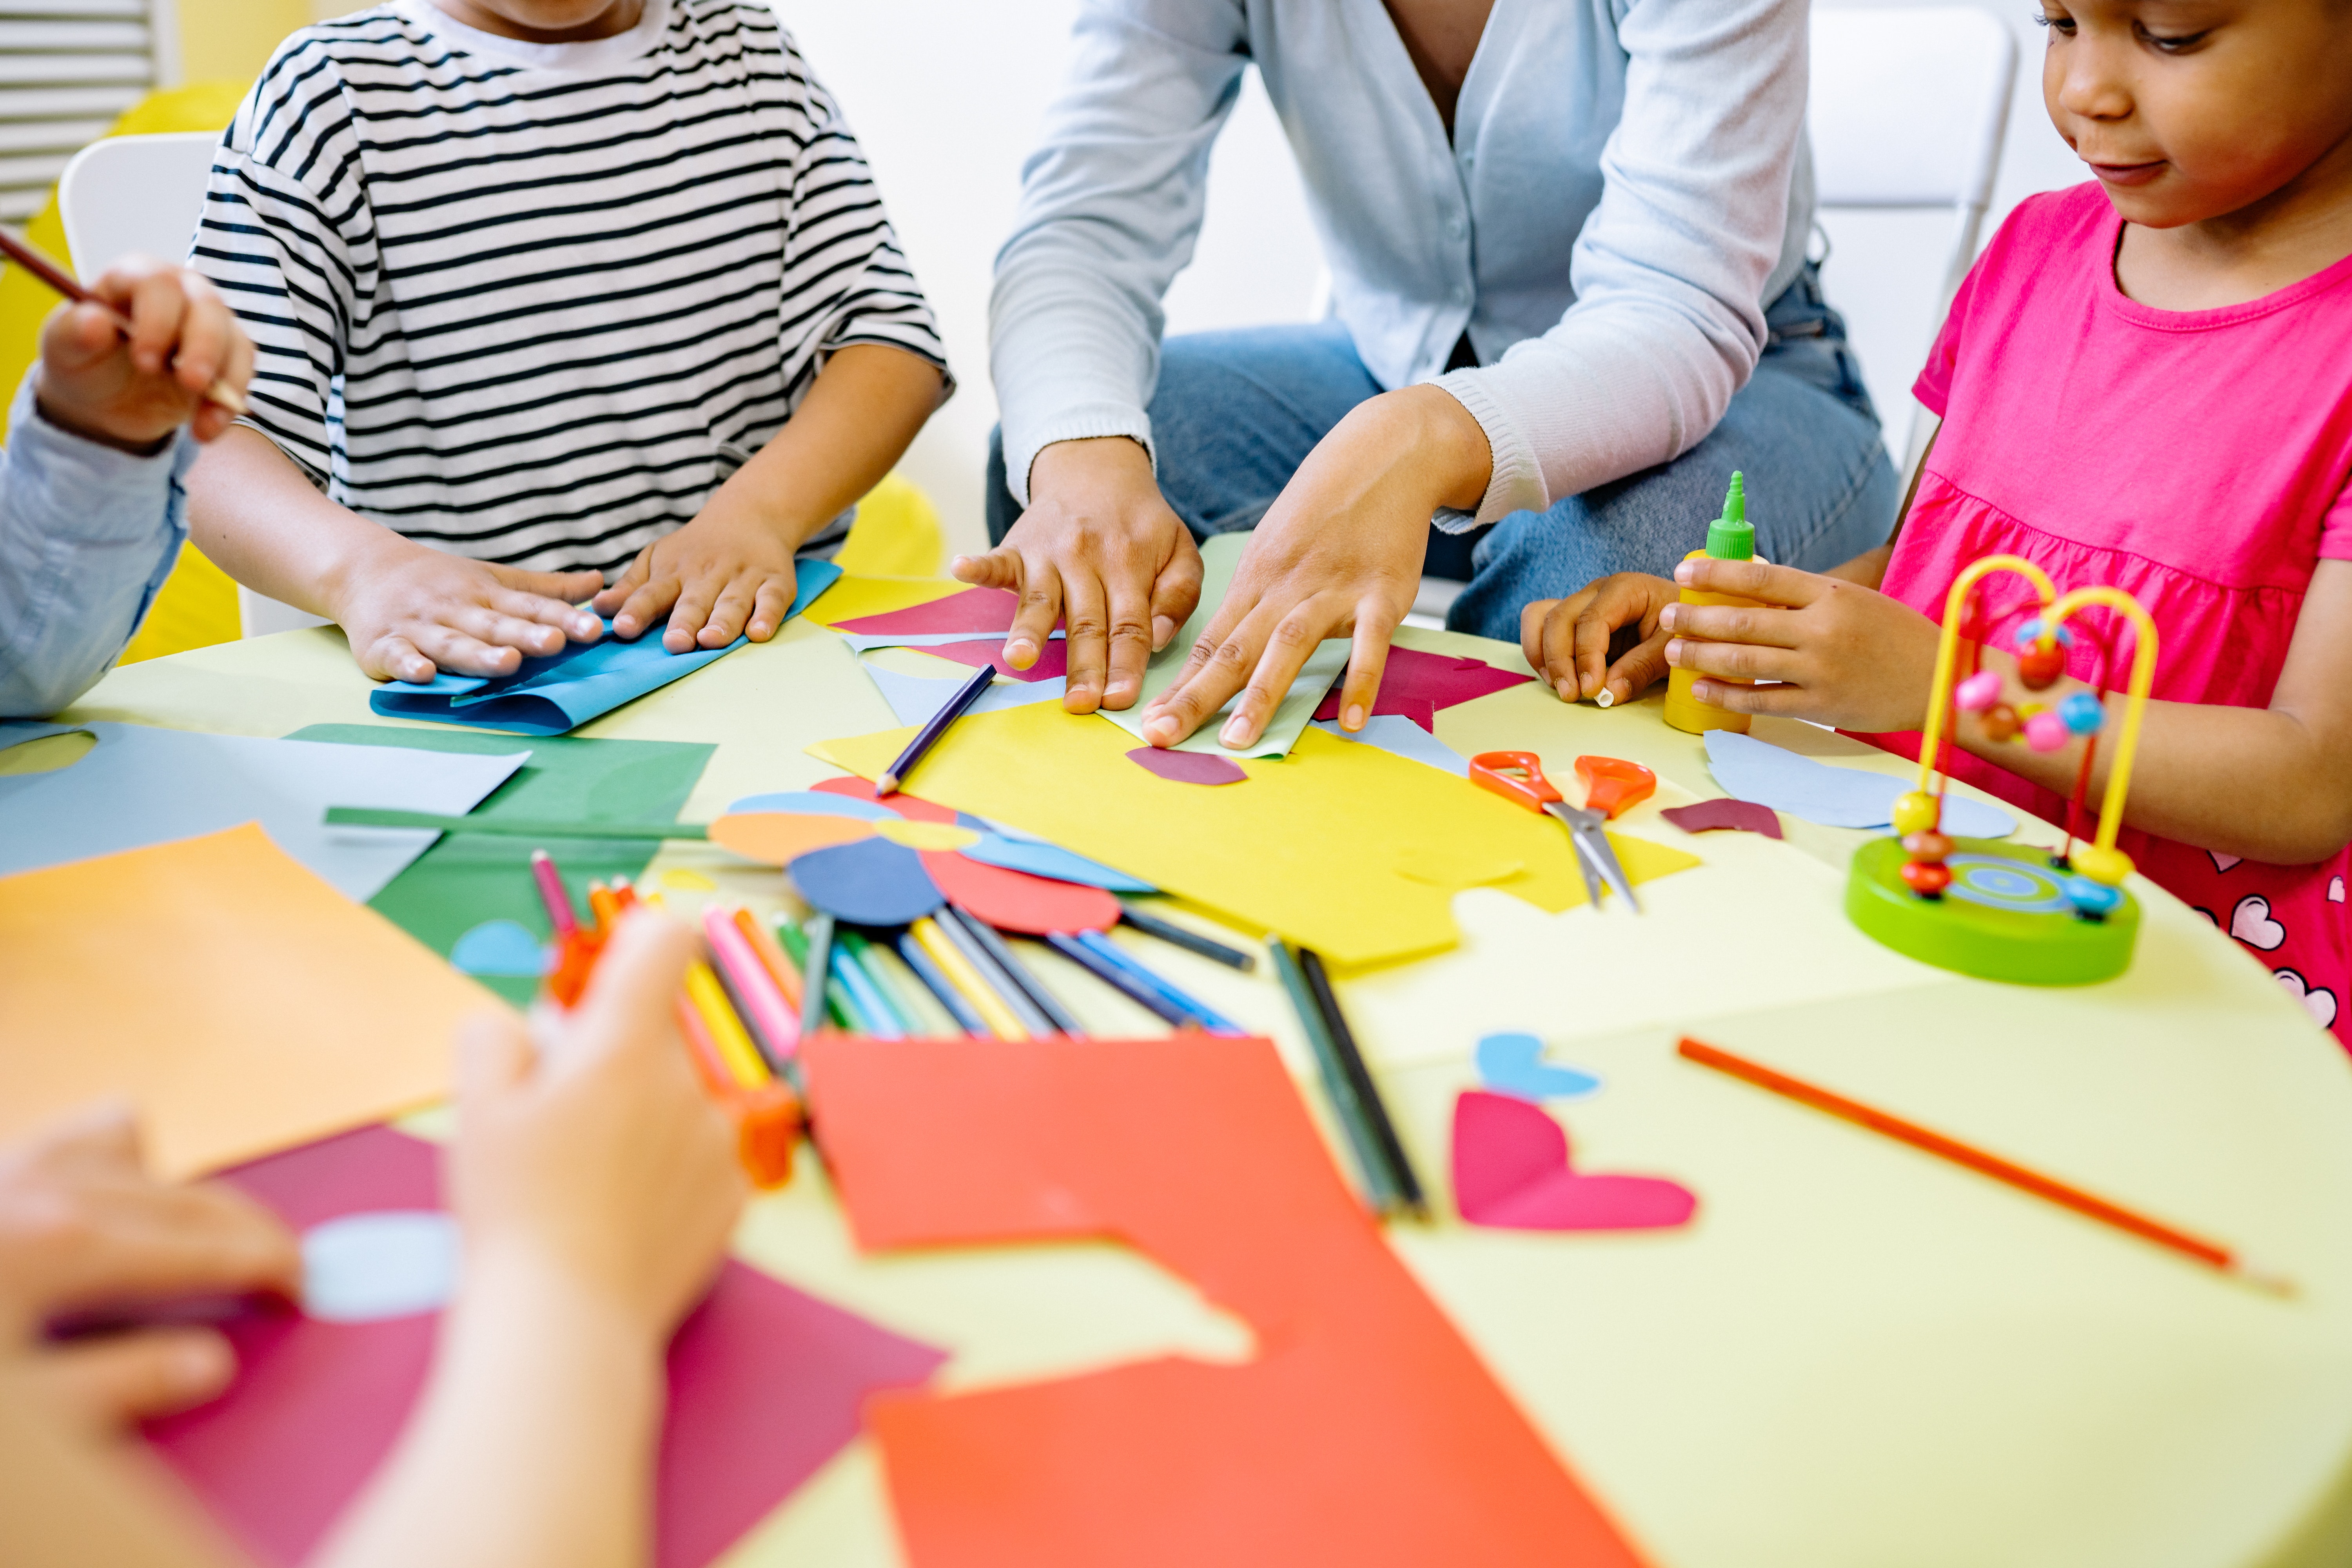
{"x": 561, "y": 691}
{"x": 814, "y": 803}
{"x": 371, "y": 1268}
{"x": 1395, "y": 732}
{"x": 140, "y": 785}
{"x": 916, "y": 697}
{"x": 1772, "y": 775}
{"x": 1051, "y": 860}
{"x": 500, "y": 948}
{"x": 1514, "y": 1065}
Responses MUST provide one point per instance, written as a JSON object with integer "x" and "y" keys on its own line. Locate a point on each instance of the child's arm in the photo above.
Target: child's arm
{"x": 729, "y": 572}
{"x": 2270, "y": 784}
{"x": 407, "y": 608}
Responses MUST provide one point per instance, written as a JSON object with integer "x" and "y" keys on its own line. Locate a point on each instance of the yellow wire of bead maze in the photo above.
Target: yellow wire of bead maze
{"x": 2001, "y": 910}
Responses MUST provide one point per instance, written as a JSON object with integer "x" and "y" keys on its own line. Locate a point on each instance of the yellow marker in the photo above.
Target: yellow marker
{"x": 965, "y": 978}
{"x": 727, "y": 1033}
{"x": 1730, "y": 537}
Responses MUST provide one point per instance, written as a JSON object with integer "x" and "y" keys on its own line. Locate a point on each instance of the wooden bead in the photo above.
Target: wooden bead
{"x": 1927, "y": 879}
{"x": 1999, "y": 723}
{"x": 1930, "y": 847}
{"x": 1979, "y": 691}
{"x": 1917, "y": 812}
{"x": 2045, "y": 732}
{"x": 2082, "y": 713}
{"x": 2040, "y": 666}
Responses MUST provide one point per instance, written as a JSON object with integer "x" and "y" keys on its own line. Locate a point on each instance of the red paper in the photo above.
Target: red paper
{"x": 1739, "y": 815}
{"x": 1417, "y": 684}
{"x": 905, "y": 805}
{"x": 765, "y": 1384}
{"x": 1016, "y": 900}
{"x": 1364, "y": 1432}
{"x": 1052, "y": 663}
{"x": 1188, "y": 767}
{"x": 973, "y": 610}
{"x": 1511, "y": 1170}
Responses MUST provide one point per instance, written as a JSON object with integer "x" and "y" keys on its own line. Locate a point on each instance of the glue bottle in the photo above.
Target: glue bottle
{"x": 1730, "y": 537}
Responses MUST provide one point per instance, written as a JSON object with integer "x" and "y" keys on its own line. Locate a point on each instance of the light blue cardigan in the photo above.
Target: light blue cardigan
{"x": 1626, "y": 188}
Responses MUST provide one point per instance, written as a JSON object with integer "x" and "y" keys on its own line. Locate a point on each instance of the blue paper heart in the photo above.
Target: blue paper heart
{"x": 1514, "y": 1065}
{"x": 499, "y": 947}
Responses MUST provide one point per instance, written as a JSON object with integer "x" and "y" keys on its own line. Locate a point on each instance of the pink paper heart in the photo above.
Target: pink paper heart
{"x": 1511, "y": 1170}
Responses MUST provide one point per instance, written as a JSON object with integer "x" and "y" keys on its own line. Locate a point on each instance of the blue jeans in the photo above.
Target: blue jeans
{"x": 1236, "y": 413}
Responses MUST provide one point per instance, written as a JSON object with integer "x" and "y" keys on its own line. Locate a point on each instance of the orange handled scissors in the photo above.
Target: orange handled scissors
{"x": 1518, "y": 777}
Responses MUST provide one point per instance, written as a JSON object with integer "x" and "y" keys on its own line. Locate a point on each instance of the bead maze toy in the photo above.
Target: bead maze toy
{"x": 2008, "y": 912}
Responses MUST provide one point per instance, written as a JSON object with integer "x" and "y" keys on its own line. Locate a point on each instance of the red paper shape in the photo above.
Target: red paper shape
{"x": 1738, "y": 815}
{"x": 1188, "y": 767}
{"x": 973, "y": 610}
{"x": 1052, "y": 663}
{"x": 905, "y": 805}
{"x": 1417, "y": 684}
{"x": 1364, "y": 1431}
{"x": 766, "y": 1384}
{"x": 1016, "y": 900}
{"x": 1511, "y": 1170}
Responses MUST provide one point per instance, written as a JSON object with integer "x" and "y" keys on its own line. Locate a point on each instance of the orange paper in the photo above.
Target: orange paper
{"x": 1364, "y": 1431}
{"x": 241, "y": 1003}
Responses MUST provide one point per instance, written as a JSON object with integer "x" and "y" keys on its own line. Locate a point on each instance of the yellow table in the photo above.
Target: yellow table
{"x": 1856, "y": 1357}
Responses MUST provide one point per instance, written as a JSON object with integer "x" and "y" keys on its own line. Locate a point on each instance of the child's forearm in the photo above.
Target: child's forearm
{"x": 859, "y": 416}
{"x": 255, "y": 515}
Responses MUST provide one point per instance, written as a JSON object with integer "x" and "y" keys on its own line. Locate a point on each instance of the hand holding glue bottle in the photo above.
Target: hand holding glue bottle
{"x": 1730, "y": 537}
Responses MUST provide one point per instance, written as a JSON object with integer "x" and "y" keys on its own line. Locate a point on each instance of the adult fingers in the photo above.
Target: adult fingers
{"x": 1086, "y": 614}
{"x": 1736, "y": 661}
{"x": 1733, "y": 624}
{"x": 998, "y": 568}
{"x": 1219, "y": 665}
{"x": 1367, "y": 659}
{"x": 1288, "y": 646}
{"x": 1132, "y": 642}
{"x": 1642, "y": 666}
{"x": 771, "y": 605}
{"x": 1033, "y": 623}
{"x": 394, "y": 658}
{"x": 1176, "y": 591}
{"x": 110, "y": 1383}
{"x": 1783, "y": 585}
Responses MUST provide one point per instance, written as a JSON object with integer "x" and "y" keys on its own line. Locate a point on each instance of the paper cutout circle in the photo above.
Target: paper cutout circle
{"x": 498, "y": 947}
{"x": 860, "y": 791}
{"x": 776, "y": 837}
{"x": 367, "y": 1268}
{"x": 873, "y": 882}
{"x": 1014, "y": 900}
{"x": 936, "y": 836}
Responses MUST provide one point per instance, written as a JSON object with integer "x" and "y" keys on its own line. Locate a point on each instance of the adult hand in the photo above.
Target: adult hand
{"x": 1844, "y": 654}
{"x": 133, "y": 391}
{"x": 409, "y": 610}
{"x": 83, "y": 1227}
{"x": 726, "y": 572}
{"x": 1340, "y": 553}
{"x": 1568, "y": 641}
{"x": 592, "y": 1163}
{"x": 1099, "y": 548}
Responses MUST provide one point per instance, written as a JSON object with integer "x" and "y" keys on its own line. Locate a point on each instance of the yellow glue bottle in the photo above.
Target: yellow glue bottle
{"x": 1730, "y": 537}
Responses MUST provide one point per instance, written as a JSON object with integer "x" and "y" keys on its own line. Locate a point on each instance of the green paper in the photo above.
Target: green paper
{"x": 466, "y": 880}
{"x": 1324, "y": 666}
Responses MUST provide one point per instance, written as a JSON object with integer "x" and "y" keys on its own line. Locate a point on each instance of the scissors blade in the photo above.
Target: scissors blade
{"x": 1564, "y": 815}
{"x": 1592, "y": 845}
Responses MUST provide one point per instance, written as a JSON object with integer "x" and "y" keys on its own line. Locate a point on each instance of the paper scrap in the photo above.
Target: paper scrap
{"x": 870, "y": 882}
{"x": 962, "y": 610}
{"x": 1289, "y": 853}
{"x": 242, "y": 1003}
{"x": 1011, "y": 901}
{"x": 1397, "y": 733}
{"x": 1834, "y": 796}
{"x": 765, "y": 1384}
{"x": 1022, "y": 853}
{"x": 1365, "y": 1430}
{"x": 1219, "y": 556}
{"x": 854, "y": 597}
{"x": 1187, "y": 767}
{"x": 1513, "y": 1064}
{"x": 140, "y": 785}
{"x": 1718, "y": 815}
{"x": 500, "y": 947}
{"x": 1052, "y": 661}
{"x": 1414, "y": 683}
{"x": 1511, "y": 1170}
{"x": 381, "y": 1264}
{"x": 913, "y": 699}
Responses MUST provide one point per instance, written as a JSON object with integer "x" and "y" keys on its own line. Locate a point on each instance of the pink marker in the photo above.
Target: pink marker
{"x": 551, "y": 889}
{"x": 773, "y": 1018}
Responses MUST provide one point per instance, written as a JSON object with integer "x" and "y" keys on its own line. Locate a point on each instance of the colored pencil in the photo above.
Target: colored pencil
{"x": 605, "y": 907}
{"x": 772, "y": 958}
{"x": 1023, "y": 979}
{"x": 551, "y": 893}
{"x": 726, "y": 1031}
{"x": 816, "y": 963}
{"x": 1119, "y": 980}
{"x": 1034, "y": 1019}
{"x": 933, "y": 728}
{"x": 752, "y": 987}
{"x": 1002, "y": 1020}
{"x": 2048, "y": 1188}
{"x": 935, "y": 980}
{"x": 1379, "y": 1183}
{"x": 1111, "y": 952}
{"x": 41, "y": 266}
{"x": 905, "y": 992}
{"x": 1368, "y": 1094}
{"x": 1190, "y": 940}
{"x": 871, "y": 1015}
{"x": 511, "y": 827}
{"x": 878, "y": 990}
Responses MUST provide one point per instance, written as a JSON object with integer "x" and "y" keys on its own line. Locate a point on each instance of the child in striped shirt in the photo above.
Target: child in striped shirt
{"x": 554, "y": 299}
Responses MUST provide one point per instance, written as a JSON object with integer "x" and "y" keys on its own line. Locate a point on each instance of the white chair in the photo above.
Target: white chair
{"x": 1908, "y": 110}
{"x": 144, "y": 193}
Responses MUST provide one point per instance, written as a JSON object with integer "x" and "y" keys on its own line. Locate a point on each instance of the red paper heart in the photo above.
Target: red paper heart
{"x": 1511, "y": 1170}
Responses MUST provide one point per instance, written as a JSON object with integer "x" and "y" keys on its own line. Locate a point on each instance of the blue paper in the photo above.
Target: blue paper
{"x": 1395, "y": 732}
{"x": 561, "y": 691}
{"x": 1750, "y": 769}
{"x": 1514, "y": 1065}
{"x": 915, "y": 698}
{"x": 872, "y": 882}
{"x": 500, "y": 948}
{"x": 814, "y": 803}
{"x": 1051, "y": 861}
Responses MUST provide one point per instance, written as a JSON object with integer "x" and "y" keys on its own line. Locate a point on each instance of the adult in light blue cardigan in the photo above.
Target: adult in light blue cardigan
{"x": 1570, "y": 296}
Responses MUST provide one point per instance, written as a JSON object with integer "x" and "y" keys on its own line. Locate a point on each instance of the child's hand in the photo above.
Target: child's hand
{"x": 133, "y": 393}
{"x": 594, "y": 1164}
{"x": 409, "y": 609}
{"x": 1568, "y": 641}
{"x": 726, "y": 572}
{"x": 1845, "y": 655}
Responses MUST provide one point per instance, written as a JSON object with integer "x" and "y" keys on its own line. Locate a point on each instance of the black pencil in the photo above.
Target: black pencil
{"x": 937, "y": 725}
{"x": 1379, "y": 1185}
{"x": 1368, "y": 1094}
{"x": 1022, "y": 976}
{"x": 1190, "y": 941}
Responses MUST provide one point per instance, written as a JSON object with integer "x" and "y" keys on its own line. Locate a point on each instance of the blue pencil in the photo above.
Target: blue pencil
{"x": 940, "y": 986}
{"x": 1111, "y": 952}
{"x": 877, "y": 1016}
{"x": 1116, "y": 977}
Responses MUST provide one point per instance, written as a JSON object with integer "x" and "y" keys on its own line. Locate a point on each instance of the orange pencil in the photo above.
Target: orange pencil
{"x": 771, "y": 957}
{"x": 2048, "y": 1188}
{"x": 605, "y": 906}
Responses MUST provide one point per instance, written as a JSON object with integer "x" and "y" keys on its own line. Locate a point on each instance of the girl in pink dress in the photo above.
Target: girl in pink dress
{"x": 2146, "y": 382}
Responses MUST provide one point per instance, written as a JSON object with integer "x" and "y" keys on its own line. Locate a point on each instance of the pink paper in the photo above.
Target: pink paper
{"x": 1051, "y": 665}
{"x": 1412, "y": 678}
{"x": 1188, "y": 767}
{"x": 1511, "y": 1170}
{"x": 1739, "y": 815}
{"x": 973, "y": 610}
{"x": 766, "y": 1384}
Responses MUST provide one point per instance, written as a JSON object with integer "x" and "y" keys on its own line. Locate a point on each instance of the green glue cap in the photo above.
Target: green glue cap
{"x": 1732, "y": 537}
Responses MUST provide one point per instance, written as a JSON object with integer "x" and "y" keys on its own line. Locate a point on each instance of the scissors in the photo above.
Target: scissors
{"x": 1610, "y": 785}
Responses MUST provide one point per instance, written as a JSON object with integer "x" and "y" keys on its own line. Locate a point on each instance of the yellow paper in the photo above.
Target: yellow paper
{"x": 852, "y": 597}
{"x": 242, "y": 1005}
{"x": 1309, "y": 847}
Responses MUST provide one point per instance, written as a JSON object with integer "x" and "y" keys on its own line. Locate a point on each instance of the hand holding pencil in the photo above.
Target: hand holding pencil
{"x": 145, "y": 350}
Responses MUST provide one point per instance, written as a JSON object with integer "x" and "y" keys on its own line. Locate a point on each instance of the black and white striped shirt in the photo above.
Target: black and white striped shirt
{"x": 534, "y": 304}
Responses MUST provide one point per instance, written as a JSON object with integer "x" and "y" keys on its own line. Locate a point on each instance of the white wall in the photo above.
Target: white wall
{"x": 948, "y": 95}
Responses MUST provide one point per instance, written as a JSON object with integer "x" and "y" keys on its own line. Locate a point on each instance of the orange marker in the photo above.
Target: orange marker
{"x": 771, "y": 956}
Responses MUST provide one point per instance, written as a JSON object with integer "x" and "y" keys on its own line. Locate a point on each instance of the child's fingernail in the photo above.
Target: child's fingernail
{"x": 1607, "y": 697}
{"x": 1353, "y": 719}
{"x": 1162, "y": 628}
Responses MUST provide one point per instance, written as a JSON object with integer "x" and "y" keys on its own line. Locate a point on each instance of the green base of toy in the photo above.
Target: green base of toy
{"x": 2003, "y": 918}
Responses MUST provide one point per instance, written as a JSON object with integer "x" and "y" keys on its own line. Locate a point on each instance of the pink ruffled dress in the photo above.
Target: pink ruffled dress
{"x": 2201, "y": 460}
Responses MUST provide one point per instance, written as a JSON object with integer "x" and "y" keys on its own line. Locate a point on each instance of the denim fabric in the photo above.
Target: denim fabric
{"x": 1235, "y": 414}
